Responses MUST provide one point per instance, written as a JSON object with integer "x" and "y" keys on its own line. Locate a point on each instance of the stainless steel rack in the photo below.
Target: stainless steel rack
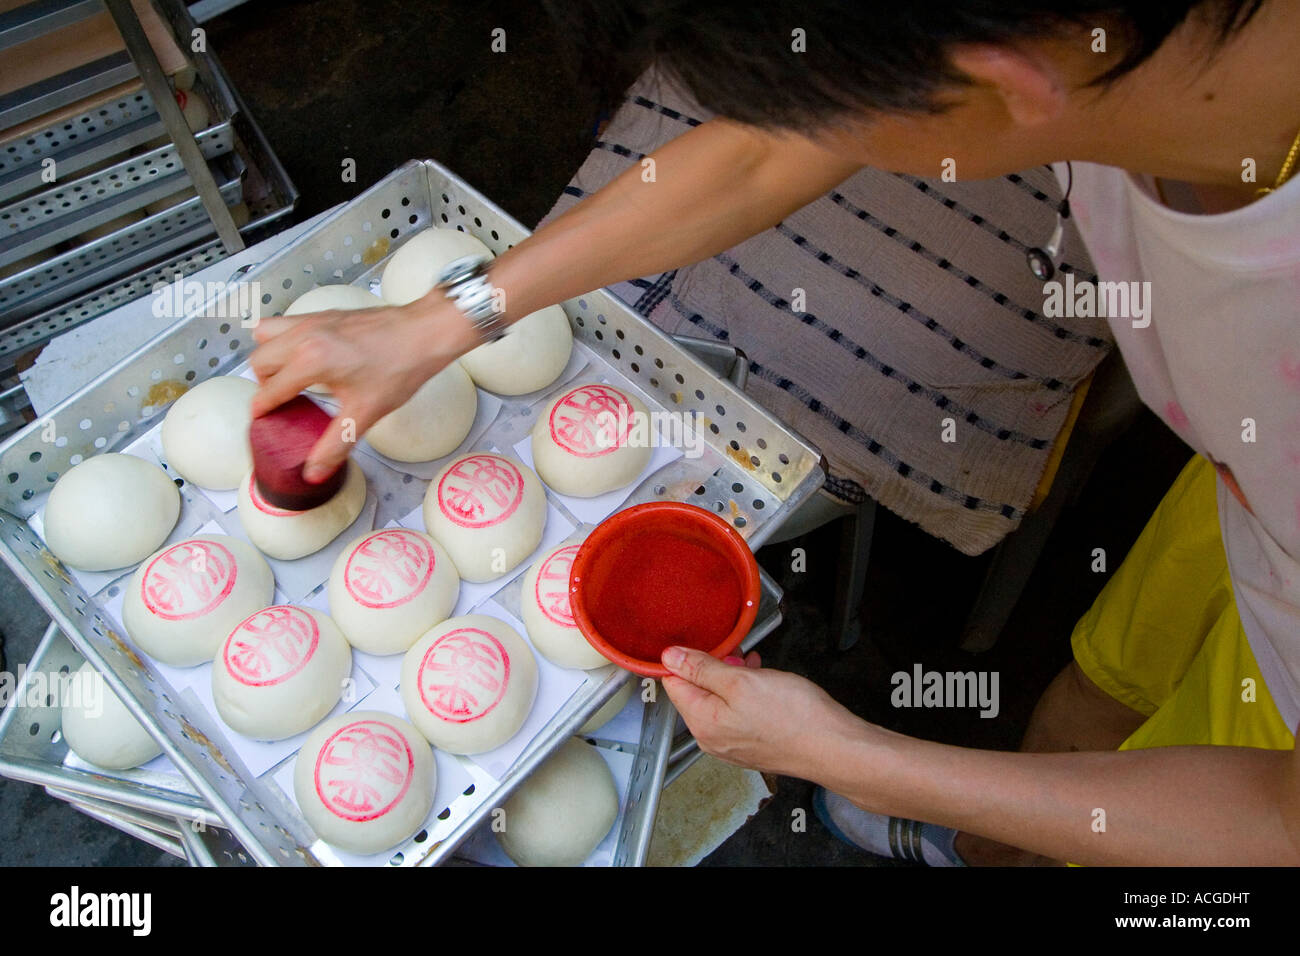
{"x": 110, "y": 165}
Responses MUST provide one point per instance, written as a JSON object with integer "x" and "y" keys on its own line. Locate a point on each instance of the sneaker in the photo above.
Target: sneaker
{"x": 893, "y": 837}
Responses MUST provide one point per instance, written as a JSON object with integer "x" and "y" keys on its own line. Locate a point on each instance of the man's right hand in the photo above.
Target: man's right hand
{"x": 372, "y": 360}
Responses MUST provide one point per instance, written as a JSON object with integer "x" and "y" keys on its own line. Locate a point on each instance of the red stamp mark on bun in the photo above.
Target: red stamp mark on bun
{"x": 591, "y": 420}
{"x": 388, "y": 568}
{"x": 363, "y": 770}
{"x": 552, "y": 587}
{"x": 264, "y": 506}
{"x": 463, "y": 675}
{"x": 271, "y": 646}
{"x": 480, "y": 491}
{"x": 188, "y": 580}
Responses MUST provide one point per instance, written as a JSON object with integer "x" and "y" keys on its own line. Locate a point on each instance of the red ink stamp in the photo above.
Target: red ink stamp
{"x": 363, "y": 770}
{"x": 271, "y": 646}
{"x": 552, "y": 587}
{"x": 480, "y": 491}
{"x": 264, "y": 506}
{"x": 463, "y": 675}
{"x": 591, "y": 420}
{"x": 188, "y": 580}
{"x": 388, "y": 568}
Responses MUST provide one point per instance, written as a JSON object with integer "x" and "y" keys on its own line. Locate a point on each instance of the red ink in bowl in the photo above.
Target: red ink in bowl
{"x": 662, "y": 574}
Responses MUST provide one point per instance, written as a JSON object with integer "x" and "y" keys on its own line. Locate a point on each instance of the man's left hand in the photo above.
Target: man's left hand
{"x": 760, "y": 718}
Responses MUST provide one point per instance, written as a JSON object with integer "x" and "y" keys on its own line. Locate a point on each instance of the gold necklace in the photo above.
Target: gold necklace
{"x": 1288, "y": 167}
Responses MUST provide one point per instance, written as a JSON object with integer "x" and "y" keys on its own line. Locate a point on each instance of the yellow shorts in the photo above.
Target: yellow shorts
{"x": 1164, "y": 636}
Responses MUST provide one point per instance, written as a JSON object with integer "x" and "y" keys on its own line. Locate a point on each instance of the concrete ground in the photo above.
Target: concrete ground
{"x": 387, "y": 81}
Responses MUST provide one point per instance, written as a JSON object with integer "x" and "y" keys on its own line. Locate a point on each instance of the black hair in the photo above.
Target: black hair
{"x": 738, "y": 58}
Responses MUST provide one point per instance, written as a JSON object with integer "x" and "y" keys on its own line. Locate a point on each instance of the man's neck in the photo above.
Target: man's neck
{"x": 1224, "y": 125}
{"x": 1202, "y": 199}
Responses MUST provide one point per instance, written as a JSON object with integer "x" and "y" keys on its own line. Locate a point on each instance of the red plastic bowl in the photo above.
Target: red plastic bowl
{"x": 660, "y": 574}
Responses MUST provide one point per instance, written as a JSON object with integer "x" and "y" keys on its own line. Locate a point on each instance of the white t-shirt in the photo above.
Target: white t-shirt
{"x": 1220, "y": 364}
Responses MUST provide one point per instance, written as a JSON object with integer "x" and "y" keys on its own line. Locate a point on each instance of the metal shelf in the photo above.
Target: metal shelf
{"x": 106, "y": 171}
{"x": 32, "y": 20}
{"x": 68, "y": 209}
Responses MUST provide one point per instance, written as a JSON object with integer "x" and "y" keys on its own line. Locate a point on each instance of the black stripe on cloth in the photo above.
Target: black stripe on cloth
{"x": 664, "y": 290}
{"x": 934, "y": 396}
{"x": 618, "y": 150}
{"x": 1033, "y": 190}
{"x": 665, "y": 110}
{"x": 928, "y": 189}
{"x": 929, "y": 322}
{"x": 1000, "y": 298}
{"x": 846, "y": 489}
{"x": 847, "y": 428}
{"x": 574, "y": 191}
{"x": 717, "y": 331}
{"x": 655, "y": 293}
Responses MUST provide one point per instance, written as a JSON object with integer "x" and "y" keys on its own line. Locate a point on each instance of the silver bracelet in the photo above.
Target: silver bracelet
{"x": 465, "y": 282}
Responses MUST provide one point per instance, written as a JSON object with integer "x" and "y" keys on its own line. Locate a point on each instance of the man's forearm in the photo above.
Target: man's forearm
{"x": 712, "y": 187}
{"x": 1164, "y": 806}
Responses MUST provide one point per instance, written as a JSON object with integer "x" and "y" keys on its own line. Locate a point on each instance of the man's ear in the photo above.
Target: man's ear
{"x": 1032, "y": 89}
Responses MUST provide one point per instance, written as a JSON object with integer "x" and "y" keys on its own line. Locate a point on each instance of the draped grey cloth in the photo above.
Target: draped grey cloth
{"x": 919, "y": 321}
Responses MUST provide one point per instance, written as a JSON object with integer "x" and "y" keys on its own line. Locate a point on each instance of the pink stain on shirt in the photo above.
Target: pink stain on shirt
{"x": 1175, "y": 415}
{"x": 1283, "y": 248}
{"x": 1290, "y": 369}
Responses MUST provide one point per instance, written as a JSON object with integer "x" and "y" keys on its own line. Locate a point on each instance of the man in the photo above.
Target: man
{"x": 1175, "y": 114}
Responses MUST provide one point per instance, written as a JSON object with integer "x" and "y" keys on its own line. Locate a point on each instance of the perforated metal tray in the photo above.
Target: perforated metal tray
{"x": 196, "y": 844}
{"x": 158, "y": 832}
{"x": 32, "y": 748}
{"x": 765, "y": 472}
